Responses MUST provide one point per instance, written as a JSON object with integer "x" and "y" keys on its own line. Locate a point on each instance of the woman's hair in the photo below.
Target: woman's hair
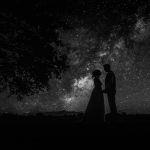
{"x": 96, "y": 73}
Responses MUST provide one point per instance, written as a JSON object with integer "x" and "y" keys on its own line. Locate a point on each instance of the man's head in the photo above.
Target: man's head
{"x": 107, "y": 67}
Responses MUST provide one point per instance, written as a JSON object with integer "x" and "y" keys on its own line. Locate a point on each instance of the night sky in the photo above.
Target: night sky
{"x": 88, "y": 34}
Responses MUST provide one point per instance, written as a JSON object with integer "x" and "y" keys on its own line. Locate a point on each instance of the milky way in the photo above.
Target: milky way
{"x": 131, "y": 66}
{"x": 86, "y": 53}
{"x": 88, "y": 44}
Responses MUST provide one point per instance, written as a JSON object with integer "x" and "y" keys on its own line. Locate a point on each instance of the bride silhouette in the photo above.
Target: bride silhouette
{"x": 95, "y": 108}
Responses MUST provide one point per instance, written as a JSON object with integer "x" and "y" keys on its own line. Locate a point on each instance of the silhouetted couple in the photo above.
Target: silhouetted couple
{"x": 95, "y": 109}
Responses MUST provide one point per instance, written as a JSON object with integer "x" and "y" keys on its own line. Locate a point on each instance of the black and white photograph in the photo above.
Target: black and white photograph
{"x": 74, "y": 68}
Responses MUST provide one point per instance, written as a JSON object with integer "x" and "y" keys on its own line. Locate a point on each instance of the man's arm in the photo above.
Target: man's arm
{"x": 113, "y": 81}
{"x": 110, "y": 85}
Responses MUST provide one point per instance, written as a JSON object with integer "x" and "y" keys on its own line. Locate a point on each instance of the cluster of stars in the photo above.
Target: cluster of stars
{"x": 85, "y": 53}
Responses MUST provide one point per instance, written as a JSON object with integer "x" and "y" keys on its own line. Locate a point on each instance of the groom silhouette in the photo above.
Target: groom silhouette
{"x": 110, "y": 88}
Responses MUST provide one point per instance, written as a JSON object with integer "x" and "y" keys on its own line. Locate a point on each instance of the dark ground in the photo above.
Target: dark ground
{"x": 13, "y": 126}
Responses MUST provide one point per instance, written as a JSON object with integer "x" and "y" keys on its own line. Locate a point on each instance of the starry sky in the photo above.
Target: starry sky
{"x": 91, "y": 33}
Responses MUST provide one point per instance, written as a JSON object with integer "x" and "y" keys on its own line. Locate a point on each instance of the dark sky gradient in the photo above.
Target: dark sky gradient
{"x": 110, "y": 11}
{"x": 117, "y": 31}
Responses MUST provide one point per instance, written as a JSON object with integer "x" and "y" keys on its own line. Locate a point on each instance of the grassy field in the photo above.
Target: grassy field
{"x": 48, "y": 125}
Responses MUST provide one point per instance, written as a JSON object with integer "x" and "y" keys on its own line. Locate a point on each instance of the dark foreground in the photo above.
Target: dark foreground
{"x": 38, "y": 126}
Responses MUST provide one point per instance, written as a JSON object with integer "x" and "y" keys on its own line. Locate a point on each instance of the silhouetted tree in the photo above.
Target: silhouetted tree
{"x": 27, "y": 60}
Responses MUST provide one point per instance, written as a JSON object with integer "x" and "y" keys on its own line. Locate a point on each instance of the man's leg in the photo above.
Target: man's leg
{"x": 112, "y": 103}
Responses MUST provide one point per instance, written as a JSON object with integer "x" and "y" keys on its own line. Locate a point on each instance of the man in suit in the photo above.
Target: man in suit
{"x": 110, "y": 88}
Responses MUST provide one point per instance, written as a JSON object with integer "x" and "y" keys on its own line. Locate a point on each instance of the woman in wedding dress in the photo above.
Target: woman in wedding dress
{"x": 95, "y": 109}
